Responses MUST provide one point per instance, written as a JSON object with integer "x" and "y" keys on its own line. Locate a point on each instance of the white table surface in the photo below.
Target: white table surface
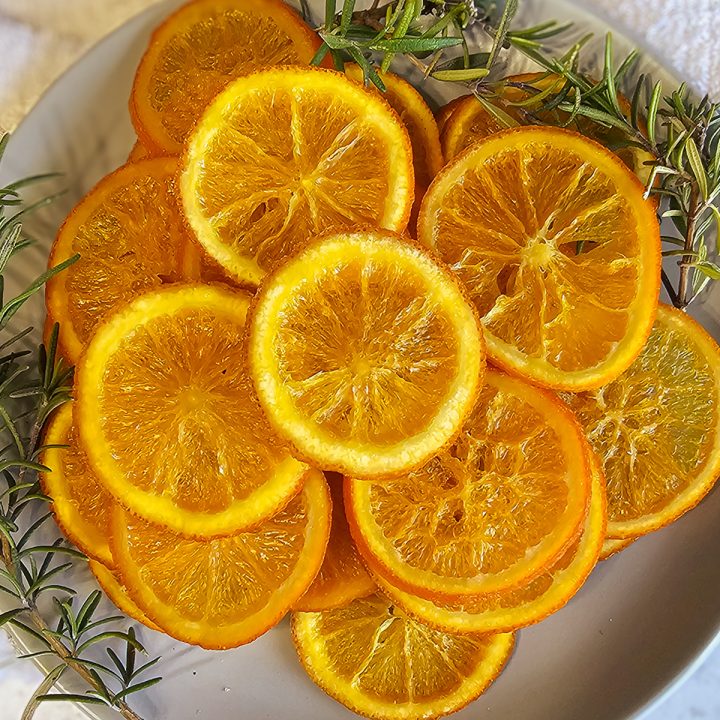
{"x": 39, "y": 38}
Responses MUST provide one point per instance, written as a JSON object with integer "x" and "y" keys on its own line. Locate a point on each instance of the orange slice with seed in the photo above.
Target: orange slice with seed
{"x": 169, "y": 419}
{"x": 657, "y": 427}
{"x": 224, "y": 592}
{"x": 202, "y": 47}
{"x": 365, "y": 354}
{"x": 559, "y": 251}
{"x": 493, "y": 511}
{"x": 380, "y": 663}
{"x": 286, "y": 154}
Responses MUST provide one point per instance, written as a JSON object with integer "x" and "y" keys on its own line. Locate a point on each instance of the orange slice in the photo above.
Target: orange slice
{"x": 198, "y": 50}
{"x": 559, "y": 251}
{"x": 81, "y": 505}
{"x": 342, "y": 577}
{"x": 285, "y": 154}
{"x": 494, "y": 510}
{"x": 138, "y": 152}
{"x": 225, "y": 592}
{"x": 473, "y": 121}
{"x": 130, "y": 235}
{"x": 612, "y": 546}
{"x": 657, "y": 427}
{"x": 382, "y": 664}
{"x": 365, "y": 354}
{"x": 417, "y": 117}
{"x": 444, "y": 113}
{"x": 118, "y": 594}
{"x": 169, "y": 419}
{"x": 529, "y": 603}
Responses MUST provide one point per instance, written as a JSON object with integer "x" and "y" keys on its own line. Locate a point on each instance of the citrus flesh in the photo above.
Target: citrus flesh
{"x": 202, "y": 47}
{"x": 365, "y": 354}
{"x": 286, "y": 154}
{"x": 81, "y": 505}
{"x": 342, "y": 577}
{"x": 558, "y": 249}
{"x": 529, "y": 603}
{"x": 224, "y": 592}
{"x": 118, "y": 594}
{"x": 382, "y": 664}
{"x": 657, "y": 427}
{"x": 130, "y": 235}
{"x": 169, "y": 419}
{"x": 138, "y": 152}
{"x": 495, "y": 509}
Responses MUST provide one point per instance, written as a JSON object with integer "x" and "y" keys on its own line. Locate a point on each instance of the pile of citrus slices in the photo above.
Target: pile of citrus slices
{"x": 419, "y": 435}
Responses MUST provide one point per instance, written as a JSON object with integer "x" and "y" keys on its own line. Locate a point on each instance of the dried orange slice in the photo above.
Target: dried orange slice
{"x": 225, "y": 592}
{"x": 473, "y": 121}
{"x": 169, "y": 420}
{"x": 130, "y": 235}
{"x": 365, "y": 354}
{"x": 559, "y": 251}
{"x": 382, "y": 664}
{"x": 657, "y": 427}
{"x": 198, "y": 50}
{"x": 528, "y": 604}
{"x": 138, "y": 152}
{"x": 494, "y": 510}
{"x": 285, "y": 154}
{"x": 342, "y": 577}
{"x": 118, "y": 594}
{"x": 417, "y": 117}
{"x": 81, "y": 505}
{"x": 612, "y": 546}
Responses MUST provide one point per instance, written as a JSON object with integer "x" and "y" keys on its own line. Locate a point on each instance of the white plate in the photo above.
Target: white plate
{"x": 639, "y": 623}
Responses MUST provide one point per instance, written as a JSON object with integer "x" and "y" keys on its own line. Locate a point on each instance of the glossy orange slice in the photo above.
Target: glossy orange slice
{"x": 612, "y": 546}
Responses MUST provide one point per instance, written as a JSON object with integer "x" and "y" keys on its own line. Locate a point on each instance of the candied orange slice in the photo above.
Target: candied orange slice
{"x": 198, "y": 50}
{"x": 365, "y": 354}
{"x": 495, "y": 509}
{"x": 342, "y": 577}
{"x": 81, "y": 505}
{"x": 612, "y": 546}
{"x": 444, "y": 113}
{"x": 118, "y": 593}
{"x": 285, "y": 154}
{"x": 138, "y": 152}
{"x": 417, "y": 117}
{"x": 169, "y": 419}
{"x": 130, "y": 235}
{"x": 524, "y": 95}
{"x": 529, "y": 603}
{"x": 224, "y": 592}
{"x": 559, "y": 251}
{"x": 382, "y": 664}
{"x": 657, "y": 427}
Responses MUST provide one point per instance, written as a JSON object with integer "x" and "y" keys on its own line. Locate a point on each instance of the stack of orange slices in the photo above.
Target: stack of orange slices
{"x": 283, "y": 402}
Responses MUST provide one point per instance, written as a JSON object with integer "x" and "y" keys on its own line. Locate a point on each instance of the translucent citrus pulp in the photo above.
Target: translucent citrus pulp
{"x": 130, "y": 235}
{"x": 472, "y": 121}
{"x": 612, "y": 546}
{"x": 417, "y": 117}
{"x": 495, "y": 509}
{"x": 224, "y": 592}
{"x": 382, "y": 664}
{"x": 558, "y": 249}
{"x": 118, "y": 594}
{"x": 80, "y": 503}
{"x": 169, "y": 419}
{"x": 365, "y": 353}
{"x": 657, "y": 427}
{"x": 285, "y": 154}
{"x": 198, "y": 50}
{"x": 138, "y": 152}
{"x": 529, "y": 603}
{"x": 342, "y": 577}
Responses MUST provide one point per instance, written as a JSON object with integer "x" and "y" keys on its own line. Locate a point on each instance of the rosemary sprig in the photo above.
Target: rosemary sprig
{"x": 31, "y": 571}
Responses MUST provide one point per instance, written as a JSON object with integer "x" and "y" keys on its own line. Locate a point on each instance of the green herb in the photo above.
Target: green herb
{"x": 30, "y": 571}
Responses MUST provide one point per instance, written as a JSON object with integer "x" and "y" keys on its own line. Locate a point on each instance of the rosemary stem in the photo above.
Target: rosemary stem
{"x": 681, "y": 299}
{"x": 670, "y": 288}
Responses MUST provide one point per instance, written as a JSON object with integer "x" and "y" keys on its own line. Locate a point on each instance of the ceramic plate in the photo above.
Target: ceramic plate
{"x": 641, "y": 621}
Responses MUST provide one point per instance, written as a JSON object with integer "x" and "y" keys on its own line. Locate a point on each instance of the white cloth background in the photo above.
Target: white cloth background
{"x": 40, "y": 38}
